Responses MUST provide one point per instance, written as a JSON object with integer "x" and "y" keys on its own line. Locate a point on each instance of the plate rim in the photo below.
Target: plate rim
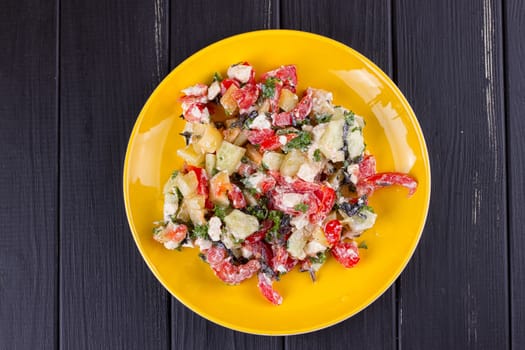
{"x": 411, "y": 116}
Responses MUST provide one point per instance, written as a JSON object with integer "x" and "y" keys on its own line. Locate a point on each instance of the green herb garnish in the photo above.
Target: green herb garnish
{"x": 199, "y": 231}
{"x": 301, "y": 207}
{"x": 268, "y": 88}
{"x": 300, "y": 142}
{"x": 367, "y": 208}
{"x": 317, "y": 155}
{"x": 362, "y": 245}
{"x": 217, "y": 77}
{"x": 259, "y": 211}
{"x": 320, "y": 258}
{"x": 349, "y": 117}
{"x": 323, "y": 118}
{"x": 219, "y": 212}
{"x": 276, "y": 216}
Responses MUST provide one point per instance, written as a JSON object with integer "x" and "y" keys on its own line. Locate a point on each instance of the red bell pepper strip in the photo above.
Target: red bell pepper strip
{"x": 368, "y": 185}
{"x": 265, "y": 286}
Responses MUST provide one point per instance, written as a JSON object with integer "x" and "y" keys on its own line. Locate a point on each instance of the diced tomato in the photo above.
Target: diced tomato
{"x": 265, "y": 286}
{"x": 268, "y": 140}
{"x": 197, "y": 112}
{"x": 267, "y": 184}
{"x": 282, "y": 119}
{"x": 368, "y": 185}
{"x": 246, "y": 96}
{"x": 177, "y": 234}
{"x": 299, "y": 113}
{"x": 215, "y": 255}
{"x": 202, "y": 178}
{"x": 257, "y": 136}
{"x": 367, "y": 167}
{"x": 226, "y": 83}
{"x": 346, "y": 253}
{"x": 332, "y": 231}
{"x": 236, "y": 197}
{"x": 270, "y": 144}
{"x": 287, "y": 75}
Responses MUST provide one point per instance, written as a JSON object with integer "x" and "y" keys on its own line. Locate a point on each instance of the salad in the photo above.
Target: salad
{"x": 272, "y": 178}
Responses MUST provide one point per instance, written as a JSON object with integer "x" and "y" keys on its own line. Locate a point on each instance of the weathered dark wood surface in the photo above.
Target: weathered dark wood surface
{"x": 73, "y": 77}
{"x": 514, "y": 29}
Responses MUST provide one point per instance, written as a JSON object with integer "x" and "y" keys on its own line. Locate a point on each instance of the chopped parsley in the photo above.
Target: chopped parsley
{"x": 268, "y": 88}
{"x": 323, "y": 118}
{"x": 349, "y": 117}
{"x": 368, "y": 208}
{"x": 174, "y": 174}
{"x": 219, "y": 211}
{"x": 259, "y": 211}
{"x": 362, "y": 245}
{"x": 301, "y": 207}
{"x": 276, "y": 216}
{"x": 320, "y": 258}
{"x": 300, "y": 142}
{"x": 217, "y": 77}
{"x": 200, "y": 231}
{"x": 317, "y": 155}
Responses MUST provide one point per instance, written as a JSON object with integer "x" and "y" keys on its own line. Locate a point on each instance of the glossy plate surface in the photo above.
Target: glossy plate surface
{"x": 392, "y": 134}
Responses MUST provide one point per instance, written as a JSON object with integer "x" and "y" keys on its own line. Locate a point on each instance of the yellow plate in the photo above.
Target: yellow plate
{"x": 392, "y": 134}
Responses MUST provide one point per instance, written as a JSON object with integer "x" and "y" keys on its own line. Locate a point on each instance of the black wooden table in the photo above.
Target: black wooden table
{"x": 75, "y": 74}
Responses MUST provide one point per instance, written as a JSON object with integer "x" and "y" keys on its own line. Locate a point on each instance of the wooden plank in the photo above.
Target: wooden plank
{"x": 112, "y": 55}
{"x": 515, "y": 90}
{"x": 366, "y": 27}
{"x": 449, "y": 64}
{"x": 222, "y": 19}
{"x": 28, "y": 175}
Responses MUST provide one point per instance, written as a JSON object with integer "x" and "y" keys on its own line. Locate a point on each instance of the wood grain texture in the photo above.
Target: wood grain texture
{"x": 366, "y": 27}
{"x": 515, "y": 96}
{"x": 112, "y": 55}
{"x": 28, "y": 175}
{"x": 449, "y": 65}
{"x": 223, "y": 19}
